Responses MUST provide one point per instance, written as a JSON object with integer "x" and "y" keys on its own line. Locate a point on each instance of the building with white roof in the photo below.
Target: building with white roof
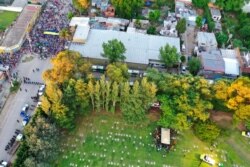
{"x": 141, "y": 49}
{"x": 206, "y": 41}
{"x": 82, "y": 29}
{"x": 232, "y": 66}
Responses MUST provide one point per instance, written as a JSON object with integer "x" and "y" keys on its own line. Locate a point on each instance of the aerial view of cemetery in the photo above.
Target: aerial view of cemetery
{"x": 125, "y": 83}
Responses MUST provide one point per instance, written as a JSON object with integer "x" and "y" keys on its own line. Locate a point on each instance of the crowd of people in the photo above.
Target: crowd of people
{"x": 53, "y": 18}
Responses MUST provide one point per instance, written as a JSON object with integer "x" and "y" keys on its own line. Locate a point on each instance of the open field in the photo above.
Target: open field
{"x": 6, "y": 19}
{"x": 102, "y": 139}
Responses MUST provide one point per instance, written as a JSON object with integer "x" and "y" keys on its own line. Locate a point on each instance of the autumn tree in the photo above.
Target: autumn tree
{"x": 65, "y": 34}
{"x": 91, "y": 93}
{"x": 169, "y": 56}
{"x": 97, "y": 94}
{"x": 66, "y": 65}
{"x": 117, "y": 72}
{"x": 114, "y": 50}
{"x": 84, "y": 3}
{"x": 239, "y": 98}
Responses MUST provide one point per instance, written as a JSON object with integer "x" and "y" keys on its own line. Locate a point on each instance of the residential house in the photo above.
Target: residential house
{"x": 206, "y": 41}
{"x": 212, "y": 63}
{"x": 215, "y": 13}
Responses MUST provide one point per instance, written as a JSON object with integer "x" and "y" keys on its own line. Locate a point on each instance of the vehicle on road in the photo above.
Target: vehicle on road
{"x": 3, "y": 163}
{"x": 16, "y": 144}
{"x": 25, "y": 107}
{"x": 206, "y": 158}
{"x": 41, "y": 90}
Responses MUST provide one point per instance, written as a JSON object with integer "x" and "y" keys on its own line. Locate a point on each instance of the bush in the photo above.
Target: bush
{"x": 206, "y": 131}
{"x": 151, "y": 30}
{"x": 15, "y": 86}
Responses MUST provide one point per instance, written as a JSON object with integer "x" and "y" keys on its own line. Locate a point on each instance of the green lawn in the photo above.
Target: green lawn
{"x": 105, "y": 138}
{"x": 6, "y": 18}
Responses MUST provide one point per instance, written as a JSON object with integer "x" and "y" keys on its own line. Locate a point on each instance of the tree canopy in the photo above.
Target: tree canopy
{"x": 114, "y": 50}
{"x": 200, "y": 3}
{"x": 117, "y": 72}
{"x": 154, "y": 15}
{"x": 181, "y": 26}
{"x": 221, "y": 38}
{"x": 128, "y": 8}
{"x": 184, "y": 99}
{"x": 169, "y": 56}
{"x": 194, "y": 65}
{"x": 198, "y": 21}
{"x": 66, "y": 65}
{"x": 230, "y": 5}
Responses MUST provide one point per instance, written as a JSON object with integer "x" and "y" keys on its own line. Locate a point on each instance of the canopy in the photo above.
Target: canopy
{"x": 165, "y": 136}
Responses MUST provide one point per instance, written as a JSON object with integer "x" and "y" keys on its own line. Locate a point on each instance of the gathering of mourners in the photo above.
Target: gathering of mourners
{"x": 51, "y": 20}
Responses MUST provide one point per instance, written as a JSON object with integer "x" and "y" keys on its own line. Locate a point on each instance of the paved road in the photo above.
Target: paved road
{"x": 12, "y": 108}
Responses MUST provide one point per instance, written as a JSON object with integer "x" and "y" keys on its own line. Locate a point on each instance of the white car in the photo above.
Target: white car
{"x": 41, "y": 90}
{"x": 25, "y": 107}
{"x": 207, "y": 159}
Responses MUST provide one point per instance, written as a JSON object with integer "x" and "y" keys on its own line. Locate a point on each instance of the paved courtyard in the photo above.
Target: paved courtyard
{"x": 12, "y": 108}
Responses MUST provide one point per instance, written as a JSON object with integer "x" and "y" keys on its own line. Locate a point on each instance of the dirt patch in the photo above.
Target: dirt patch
{"x": 222, "y": 119}
{"x": 154, "y": 115}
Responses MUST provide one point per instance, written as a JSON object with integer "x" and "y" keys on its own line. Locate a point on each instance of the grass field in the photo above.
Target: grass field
{"x": 6, "y": 18}
{"x": 106, "y": 140}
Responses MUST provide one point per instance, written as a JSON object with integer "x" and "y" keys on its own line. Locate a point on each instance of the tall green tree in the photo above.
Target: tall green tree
{"x": 114, "y": 50}
{"x": 154, "y": 16}
{"x": 221, "y": 38}
{"x": 98, "y": 100}
{"x": 91, "y": 93}
{"x": 128, "y": 8}
{"x": 200, "y": 3}
{"x": 198, "y": 21}
{"x": 169, "y": 56}
{"x": 181, "y": 26}
{"x": 114, "y": 95}
{"x": 194, "y": 65}
{"x": 42, "y": 137}
{"x": 107, "y": 96}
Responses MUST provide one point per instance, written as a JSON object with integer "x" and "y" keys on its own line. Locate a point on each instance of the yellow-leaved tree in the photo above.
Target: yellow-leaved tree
{"x": 239, "y": 98}
{"x": 83, "y": 3}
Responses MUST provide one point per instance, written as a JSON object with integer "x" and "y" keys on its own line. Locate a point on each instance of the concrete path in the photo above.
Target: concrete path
{"x": 12, "y": 108}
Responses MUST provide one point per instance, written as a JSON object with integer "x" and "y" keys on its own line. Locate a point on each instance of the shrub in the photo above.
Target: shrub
{"x": 206, "y": 131}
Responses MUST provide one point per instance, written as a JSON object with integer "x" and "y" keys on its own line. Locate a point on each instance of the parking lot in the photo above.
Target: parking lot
{"x": 10, "y": 118}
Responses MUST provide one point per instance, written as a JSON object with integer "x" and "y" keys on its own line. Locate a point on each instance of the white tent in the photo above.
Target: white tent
{"x": 165, "y": 136}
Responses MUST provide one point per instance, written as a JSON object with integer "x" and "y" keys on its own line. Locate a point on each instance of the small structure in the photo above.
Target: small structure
{"x": 213, "y": 64}
{"x": 245, "y": 62}
{"x": 183, "y": 9}
{"x": 232, "y": 66}
{"x": 169, "y": 28}
{"x": 165, "y": 136}
{"x": 206, "y": 41}
{"x": 82, "y": 28}
{"x": 215, "y": 13}
{"x": 100, "y": 4}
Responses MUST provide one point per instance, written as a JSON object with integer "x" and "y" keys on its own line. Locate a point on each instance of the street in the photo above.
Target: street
{"x": 15, "y": 102}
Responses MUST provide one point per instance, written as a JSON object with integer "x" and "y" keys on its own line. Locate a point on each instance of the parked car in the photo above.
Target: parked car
{"x": 206, "y": 158}
{"x": 246, "y": 133}
{"x": 3, "y": 163}
{"x": 41, "y": 90}
{"x": 25, "y": 107}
